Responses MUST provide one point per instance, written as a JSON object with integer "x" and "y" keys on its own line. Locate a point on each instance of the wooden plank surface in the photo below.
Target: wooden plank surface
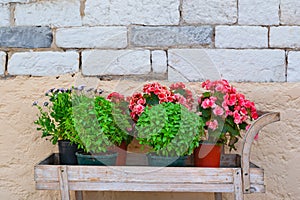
{"x": 139, "y": 187}
{"x": 138, "y": 174}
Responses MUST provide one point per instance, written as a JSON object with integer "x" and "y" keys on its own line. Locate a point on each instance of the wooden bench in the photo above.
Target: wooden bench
{"x": 236, "y": 174}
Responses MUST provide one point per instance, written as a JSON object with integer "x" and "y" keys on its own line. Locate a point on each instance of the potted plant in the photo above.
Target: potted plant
{"x": 55, "y": 121}
{"x": 165, "y": 123}
{"x": 98, "y": 129}
{"x": 225, "y": 113}
{"x": 172, "y": 132}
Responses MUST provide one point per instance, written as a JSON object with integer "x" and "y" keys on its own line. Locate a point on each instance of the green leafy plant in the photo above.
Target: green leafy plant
{"x": 55, "y": 118}
{"x": 97, "y": 123}
{"x": 170, "y": 129}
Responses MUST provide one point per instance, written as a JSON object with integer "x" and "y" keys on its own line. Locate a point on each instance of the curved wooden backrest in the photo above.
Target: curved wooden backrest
{"x": 264, "y": 119}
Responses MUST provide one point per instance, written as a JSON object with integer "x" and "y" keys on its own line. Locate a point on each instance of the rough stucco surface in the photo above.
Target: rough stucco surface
{"x": 21, "y": 147}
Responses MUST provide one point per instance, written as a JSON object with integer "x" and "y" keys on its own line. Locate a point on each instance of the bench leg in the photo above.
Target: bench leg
{"x": 63, "y": 183}
{"x": 238, "y": 187}
{"x": 218, "y": 196}
{"x": 78, "y": 195}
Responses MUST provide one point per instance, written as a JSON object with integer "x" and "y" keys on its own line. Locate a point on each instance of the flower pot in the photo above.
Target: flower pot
{"x": 207, "y": 155}
{"x": 108, "y": 158}
{"x": 67, "y": 152}
{"x": 122, "y": 153}
{"x": 155, "y": 160}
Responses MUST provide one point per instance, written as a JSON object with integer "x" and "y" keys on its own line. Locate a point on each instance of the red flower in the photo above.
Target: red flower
{"x": 115, "y": 97}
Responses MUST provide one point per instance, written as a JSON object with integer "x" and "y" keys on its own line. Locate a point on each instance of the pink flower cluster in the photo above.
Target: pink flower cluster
{"x": 162, "y": 92}
{"x": 224, "y": 99}
{"x": 115, "y": 97}
{"x": 180, "y": 90}
{"x": 138, "y": 101}
{"x": 157, "y": 92}
{"x": 137, "y": 105}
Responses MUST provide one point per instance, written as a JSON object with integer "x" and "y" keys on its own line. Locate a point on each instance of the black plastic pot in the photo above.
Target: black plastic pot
{"x": 67, "y": 152}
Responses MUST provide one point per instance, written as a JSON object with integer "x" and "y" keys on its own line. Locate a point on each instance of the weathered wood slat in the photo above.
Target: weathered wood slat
{"x": 256, "y": 176}
{"x": 262, "y": 121}
{"x": 139, "y": 187}
{"x": 255, "y": 188}
{"x": 238, "y": 189}
{"x": 151, "y": 175}
{"x": 63, "y": 183}
{"x": 138, "y": 174}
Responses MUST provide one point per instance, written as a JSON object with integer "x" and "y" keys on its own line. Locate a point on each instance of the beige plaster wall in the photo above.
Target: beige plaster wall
{"x": 21, "y": 147}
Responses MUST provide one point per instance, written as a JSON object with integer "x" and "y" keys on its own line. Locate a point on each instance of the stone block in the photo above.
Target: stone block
{"x": 285, "y": 37}
{"x": 92, "y": 37}
{"x": 48, "y": 13}
{"x": 2, "y": 62}
{"x": 290, "y": 12}
{"x": 258, "y": 12}
{"x": 125, "y": 12}
{"x": 43, "y": 63}
{"x": 25, "y": 37}
{"x": 233, "y": 65}
{"x": 241, "y": 37}
{"x": 116, "y": 62}
{"x": 171, "y": 36}
{"x": 209, "y": 11}
{"x": 175, "y": 76}
{"x": 293, "y": 69}
{"x": 13, "y": 1}
{"x": 4, "y": 15}
{"x": 159, "y": 61}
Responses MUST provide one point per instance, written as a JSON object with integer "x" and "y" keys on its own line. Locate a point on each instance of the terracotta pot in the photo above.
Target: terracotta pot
{"x": 207, "y": 155}
{"x": 122, "y": 153}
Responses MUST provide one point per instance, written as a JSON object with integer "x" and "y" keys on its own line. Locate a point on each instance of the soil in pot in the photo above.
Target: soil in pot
{"x": 67, "y": 152}
{"x": 207, "y": 155}
{"x": 104, "y": 159}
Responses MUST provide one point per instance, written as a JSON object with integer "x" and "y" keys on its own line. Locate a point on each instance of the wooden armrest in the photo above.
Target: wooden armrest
{"x": 264, "y": 119}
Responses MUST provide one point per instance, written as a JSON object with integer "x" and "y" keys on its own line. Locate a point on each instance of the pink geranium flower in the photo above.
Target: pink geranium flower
{"x": 213, "y": 125}
{"x": 237, "y": 117}
{"x": 207, "y": 103}
{"x": 155, "y": 91}
{"x": 218, "y": 111}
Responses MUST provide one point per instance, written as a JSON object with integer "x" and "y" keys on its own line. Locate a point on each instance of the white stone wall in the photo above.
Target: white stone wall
{"x": 161, "y": 27}
{"x": 177, "y": 40}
